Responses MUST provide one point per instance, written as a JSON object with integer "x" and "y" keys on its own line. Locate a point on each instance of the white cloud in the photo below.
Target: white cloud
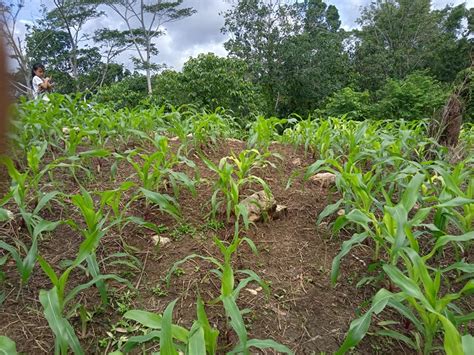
{"x": 201, "y": 32}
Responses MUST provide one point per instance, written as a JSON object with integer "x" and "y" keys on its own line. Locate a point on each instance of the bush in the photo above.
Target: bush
{"x": 355, "y": 104}
{"x": 168, "y": 88}
{"x": 211, "y": 81}
{"x": 126, "y": 93}
{"x": 417, "y": 96}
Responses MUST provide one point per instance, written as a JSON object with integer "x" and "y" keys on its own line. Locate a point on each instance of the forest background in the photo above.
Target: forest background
{"x": 402, "y": 60}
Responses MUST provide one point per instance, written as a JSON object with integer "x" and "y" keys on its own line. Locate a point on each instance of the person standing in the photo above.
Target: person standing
{"x": 40, "y": 84}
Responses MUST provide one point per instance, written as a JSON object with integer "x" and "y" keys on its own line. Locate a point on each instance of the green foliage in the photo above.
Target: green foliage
{"x": 127, "y": 93}
{"x": 416, "y": 96}
{"x": 354, "y": 104}
{"x": 212, "y": 81}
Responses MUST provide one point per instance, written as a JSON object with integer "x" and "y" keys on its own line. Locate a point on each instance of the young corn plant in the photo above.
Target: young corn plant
{"x": 264, "y": 130}
{"x": 36, "y": 226}
{"x": 230, "y": 293}
{"x": 234, "y": 173}
{"x": 425, "y": 311}
{"x": 95, "y": 229}
{"x": 391, "y": 233}
{"x": 155, "y": 170}
{"x": 55, "y": 301}
{"x": 174, "y": 339}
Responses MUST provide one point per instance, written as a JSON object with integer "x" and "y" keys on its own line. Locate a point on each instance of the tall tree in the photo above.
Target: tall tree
{"x": 398, "y": 37}
{"x": 145, "y": 23}
{"x": 294, "y": 50}
{"x": 70, "y": 16}
{"x": 314, "y": 59}
{"x": 257, "y": 30}
{"x": 113, "y": 42}
{"x": 9, "y": 14}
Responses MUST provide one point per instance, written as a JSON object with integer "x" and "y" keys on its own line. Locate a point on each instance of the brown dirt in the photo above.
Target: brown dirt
{"x": 303, "y": 310}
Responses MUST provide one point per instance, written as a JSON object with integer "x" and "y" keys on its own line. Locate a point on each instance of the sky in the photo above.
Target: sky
{"x": 200, "y": 33}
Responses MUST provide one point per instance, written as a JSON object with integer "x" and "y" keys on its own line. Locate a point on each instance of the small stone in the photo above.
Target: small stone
{"x": 296, "y": 162}
{"x": 160, "y": 240}
{"x": 234, "y": 140}
{"x": 66, "y": 130}
{"x": 254, "y": 292}
{"x": 174, "y": 139}
{"x": 324, "y": 179}
{"x": 259, "y": 204}
{"x": 280, "y": 212}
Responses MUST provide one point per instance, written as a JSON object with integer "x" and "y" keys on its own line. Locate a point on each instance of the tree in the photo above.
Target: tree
{"x": 145, "y": 23}
{"x": 398, "y": 37}
{"x": 211, "y": 81}
{"x": 70, "y": 16}
{"x": 315, "y": 63}
{"x": 257, "y": 31}
{"x": 114, "y": 42}
{"x": 294, "y": 50}
{"x": 9, "y": 13}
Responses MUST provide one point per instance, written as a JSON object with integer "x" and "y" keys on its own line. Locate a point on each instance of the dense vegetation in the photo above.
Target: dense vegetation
{"x": 284, "y": 57}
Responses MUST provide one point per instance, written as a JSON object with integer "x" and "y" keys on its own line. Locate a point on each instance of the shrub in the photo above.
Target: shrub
{"x": 212, "y": 81}
{"x": 355, "y": 104}
{"x": 417, "y": 96}
{"x": 126, "y": 93}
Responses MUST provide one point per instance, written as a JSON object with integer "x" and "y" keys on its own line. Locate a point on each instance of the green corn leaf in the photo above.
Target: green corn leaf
{"x": 62, "y": 329}
{"x": 155, "y": 321}
{"x": 29, "y": 261}
{"x": 48, "y": 270}
{"x": 452, "y": 339}
{"x": 410, "y": 195}
{"x": 14, "y": 253}
{"x": 329, "y": 210}
{"x": 252, "y": 276}
{"x": 7, "y": 346}
{"x": 95, "y": 153}
{"x": 236, "y": 321}
{"x": 445, "y": 239}
{"x": 44, "y": 226}
{"x": 165, "y": 202}
{"x": 197, "y": 342}
{"x": 315, "y": 168}
{"x": 456, "y": 202}
{"x": 262, "y": 344}
{"x": 210, "y": 334}
{"x": 407, "y": 285}
{"x": 44, "y": 200}
{"x": 461, "y": 266}
{"x": 356, "y": 239}
{"x": 360, "y": 326}
{"x": 468, "y": 344}
{"x": 398, "y": 336}
{"x": 76, "y": 290}
{"x": 166, "y": 338}
{"x": 359, "y": 217}
{"x": 132, "y": 342}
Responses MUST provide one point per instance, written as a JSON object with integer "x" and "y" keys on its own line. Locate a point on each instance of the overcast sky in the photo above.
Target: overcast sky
{"x": 201, "y": 32}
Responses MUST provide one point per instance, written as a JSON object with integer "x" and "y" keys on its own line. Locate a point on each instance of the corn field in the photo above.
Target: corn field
{"x": 84, "y": 182}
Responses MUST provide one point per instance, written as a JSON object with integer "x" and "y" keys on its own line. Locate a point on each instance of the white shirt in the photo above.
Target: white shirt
{"x": 36, "y": 82}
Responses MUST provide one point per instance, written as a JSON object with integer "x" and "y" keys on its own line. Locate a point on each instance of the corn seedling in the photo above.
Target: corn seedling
{"x": 200, "y": 339}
